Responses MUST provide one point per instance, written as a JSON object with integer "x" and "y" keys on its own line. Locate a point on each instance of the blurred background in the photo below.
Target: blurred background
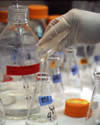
{"x": 58, "y": 6}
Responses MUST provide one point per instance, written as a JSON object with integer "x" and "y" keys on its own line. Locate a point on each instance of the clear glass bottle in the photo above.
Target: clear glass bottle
{"x": 71, "y": 77}
{"x": 2, "y": 114}
{"x": 96, "y": 63}
{"x": 93, "y": 116}
{"x": 57, "y": 83}
{"x": 45, "y": 113}
{"x": 3, "y": 19}
{"x": 85, "y": 73}
{"x": 18, "y": 64}
{"x": 38, "y": 15}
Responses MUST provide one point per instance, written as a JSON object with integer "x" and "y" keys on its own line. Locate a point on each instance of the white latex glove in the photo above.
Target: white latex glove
{"x": 72, "y": 28}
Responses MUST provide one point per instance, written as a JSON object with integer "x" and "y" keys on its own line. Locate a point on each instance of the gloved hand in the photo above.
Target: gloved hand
{"x": 73, "y": 28}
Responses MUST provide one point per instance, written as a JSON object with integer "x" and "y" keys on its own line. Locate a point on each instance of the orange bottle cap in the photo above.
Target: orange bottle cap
{"x": 53, "y": 64}
{"x": 3, "y": 16}
{"x": 50, "y": 18}
{"x": 38, "y": 11}
{"x": 84, "y": 61}
{"x": 76, "y": 107}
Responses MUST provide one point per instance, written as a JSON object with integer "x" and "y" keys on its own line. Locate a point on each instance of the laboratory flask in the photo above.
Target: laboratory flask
{"x": 2, "y": 114}
{"x": 18, "y": 63}
{"x": 93, "y": 116}
{"x": 71, "y": 77}
{"x": 56, "y": 79}
{"x": 42, "y": 103}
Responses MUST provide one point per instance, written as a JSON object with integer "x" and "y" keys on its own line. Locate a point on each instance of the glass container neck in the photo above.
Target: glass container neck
{"x": 17, "y": 14}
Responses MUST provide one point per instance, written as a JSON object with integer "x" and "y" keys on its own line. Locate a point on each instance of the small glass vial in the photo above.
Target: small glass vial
{"x": 38, "y": 15}
{"x": 3, "y": 19}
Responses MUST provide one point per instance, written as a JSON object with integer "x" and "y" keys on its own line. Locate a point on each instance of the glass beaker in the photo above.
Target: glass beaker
{"x": 43, "y": 100}
{"x": 18, "y": 64}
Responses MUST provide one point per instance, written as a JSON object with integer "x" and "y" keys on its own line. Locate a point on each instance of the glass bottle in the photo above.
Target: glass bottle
{"x": 71, "y": 77}
{"x": 3, "y": 19}
{"x": 57, "y": 83}
{"x": 45, "y": 113}
{"x": 18, "y": 64}
{"x": 38, "y": 15}
{"x": 2, "y": 113}
{"x": 93, "y": 116}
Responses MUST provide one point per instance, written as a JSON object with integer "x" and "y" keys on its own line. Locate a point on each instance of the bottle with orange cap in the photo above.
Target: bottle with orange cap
{"x": 85, "y": 70}
{"x": 3, "y": 19}
{"x": 38, "y": 15}
{"x": 94, "y": 103}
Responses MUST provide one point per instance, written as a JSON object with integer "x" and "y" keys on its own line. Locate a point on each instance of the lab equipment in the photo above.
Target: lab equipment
{"x": 93, "y": 116}
{"x": 45, "y": 113}
{"x": 71, "y": 77}
{"x": 38, "y": 15}
{"x": 56, "y": 78}
{"x": 18, "y": 63}
{"x": 96, "y": 63}
{"x": 76, "y": 108}
{"x": 59, "y": 54}
{"x": 85, "y": 73}
{"x": 3, "y": 19}
{"x": 2, "y": 114}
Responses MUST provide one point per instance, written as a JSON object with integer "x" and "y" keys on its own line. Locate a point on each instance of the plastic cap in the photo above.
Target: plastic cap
{"x": 3, "y": 16}
{"x": 84, "y": 61}
{"x": 76, "y": 107}
{"x": 50, "y": 18}
{"x": 38, "y": 11}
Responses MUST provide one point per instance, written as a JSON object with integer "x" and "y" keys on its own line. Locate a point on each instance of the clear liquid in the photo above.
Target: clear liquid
{"x": 16, "y": 101}
{"x": 41, "y": 117}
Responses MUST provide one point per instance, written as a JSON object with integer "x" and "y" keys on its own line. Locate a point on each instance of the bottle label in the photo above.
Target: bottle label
{"x": 74, "y": 70}
{"x": 45, "y": 100}
{"x": 57, "y": 78}
{"x": 23, "y": 70}
{"x": 83, "y": 61}
{"x": 52, "y": 64}
{"x": 96, "y": 58}
{"x": 51, "y": 115}
{"x": 7, "y": 78}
